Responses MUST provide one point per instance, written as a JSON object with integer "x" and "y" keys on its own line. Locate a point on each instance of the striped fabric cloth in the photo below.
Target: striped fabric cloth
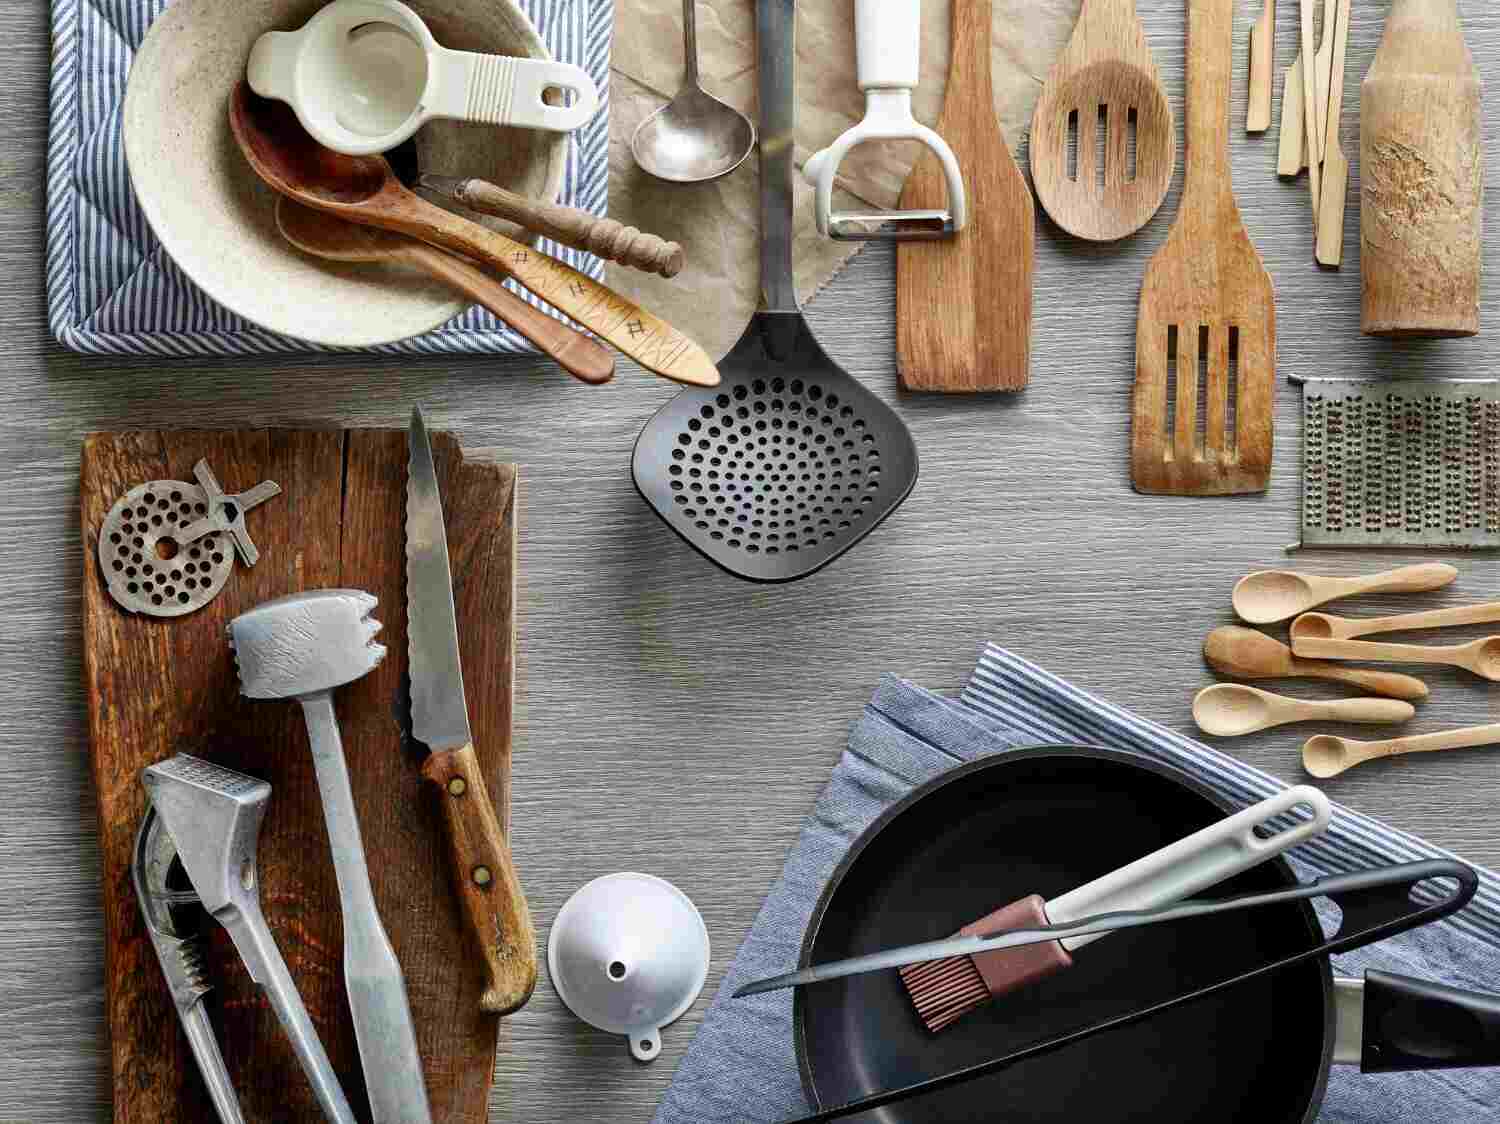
{"x": 742, "y": 1065}
{"x": 111, "y": 289}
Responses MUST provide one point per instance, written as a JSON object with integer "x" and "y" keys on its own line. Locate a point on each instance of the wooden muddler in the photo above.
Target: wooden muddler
{"x": 1422, "y": 177}
{"x": 609, "y": 239}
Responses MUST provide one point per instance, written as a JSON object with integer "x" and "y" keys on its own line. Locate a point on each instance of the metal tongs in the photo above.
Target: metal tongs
{"x": 206, "y": 819}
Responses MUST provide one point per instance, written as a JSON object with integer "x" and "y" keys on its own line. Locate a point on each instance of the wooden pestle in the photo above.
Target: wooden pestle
{"x": 569, "y": 225}
{"x": 1422, "y": 177}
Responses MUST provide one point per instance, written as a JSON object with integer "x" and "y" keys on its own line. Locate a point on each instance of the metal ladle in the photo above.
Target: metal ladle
{"x": 695, "y": 137}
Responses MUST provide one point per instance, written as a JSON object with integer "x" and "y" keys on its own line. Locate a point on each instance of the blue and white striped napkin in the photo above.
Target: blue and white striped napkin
{"x": 112, "y": 289}
{"x": 742, "y": 1065}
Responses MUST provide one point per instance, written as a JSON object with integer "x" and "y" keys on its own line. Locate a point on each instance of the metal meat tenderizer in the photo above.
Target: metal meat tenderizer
{"x": 1410, "y": 463}
{"x": 207, "y": 818}
{"x": 888, "y": 38}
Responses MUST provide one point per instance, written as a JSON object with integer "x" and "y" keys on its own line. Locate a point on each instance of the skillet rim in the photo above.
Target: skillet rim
{"x": 999, "y": 758}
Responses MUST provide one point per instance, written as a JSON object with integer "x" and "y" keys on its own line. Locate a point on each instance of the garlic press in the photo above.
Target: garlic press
{"x": 887, "y": 39}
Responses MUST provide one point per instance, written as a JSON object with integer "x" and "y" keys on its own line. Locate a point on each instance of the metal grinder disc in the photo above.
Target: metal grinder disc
{"x": 149, "y": 571}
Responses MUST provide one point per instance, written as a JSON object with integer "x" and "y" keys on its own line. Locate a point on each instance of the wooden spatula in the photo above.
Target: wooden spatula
{"x": 1206, "y": 334}
{"x": 963, "y": 306}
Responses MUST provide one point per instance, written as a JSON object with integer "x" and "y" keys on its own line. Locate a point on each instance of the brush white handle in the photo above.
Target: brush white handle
{"x": 887, "y": 35}
{"x": 1203, "y": 859}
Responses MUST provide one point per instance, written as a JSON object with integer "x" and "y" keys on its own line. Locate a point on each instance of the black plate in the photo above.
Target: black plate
{"x": 1046, "y": 820}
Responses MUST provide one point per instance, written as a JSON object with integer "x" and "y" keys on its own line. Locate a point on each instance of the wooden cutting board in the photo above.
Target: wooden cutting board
{"x": 158, "y": 687}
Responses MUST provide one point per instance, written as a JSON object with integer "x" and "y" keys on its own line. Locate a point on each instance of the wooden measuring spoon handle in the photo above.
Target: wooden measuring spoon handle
{"x": 1406, "y": 579}
{"x": 571, "y": 226}
{"x": 1388, "y": 683}
{"x": 1466, "y": 738}
{"x": 573, "y": 351}
{"x": 1371, "y": 651}
{"x": 1487, "y": 613}
{"x": 1375, "y": 711}
{"x": 649, "y": 340}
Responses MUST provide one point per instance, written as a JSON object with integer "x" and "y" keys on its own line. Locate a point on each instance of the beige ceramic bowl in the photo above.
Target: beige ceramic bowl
{"x": 218, "y": 221}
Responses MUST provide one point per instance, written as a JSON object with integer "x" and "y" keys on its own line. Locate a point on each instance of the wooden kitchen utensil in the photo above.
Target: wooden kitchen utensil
{"x": 1206, "y": 336}
{"x": 1323, "y": 72}
{"x": 572, "y": 226}
{"x": 363, "y": 189}
{"x": 1330, "y": 221}
{"x": 1326, "y": 626}
{"x": 1482, "y": 657}
{"x": 963, "y": 304}
{"x": 1269, "y": 596}
{"x": 1104, "y": 87}
{"x": 1262, "y": 67}
{"x": 1327, "y": 756}
{"x": 1291, "y": 150}
{"x": 1247, "y": 654}
{"x": 156, "y": 687}
{"x": 328, "y": 236}
{"x": 1231, "y": 710}
{"x": 1421, "y": 177}
{"x": 1312, "y": 131}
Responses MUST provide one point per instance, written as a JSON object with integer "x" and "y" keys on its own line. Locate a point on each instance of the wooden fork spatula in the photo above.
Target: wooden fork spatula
{"x": 1206, "y": 333}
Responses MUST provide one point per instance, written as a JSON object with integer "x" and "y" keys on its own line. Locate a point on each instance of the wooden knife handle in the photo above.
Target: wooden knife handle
{"x": 571, "y": 226}
{"x": 583, "y": 358}
{"x": 485, "y": 878}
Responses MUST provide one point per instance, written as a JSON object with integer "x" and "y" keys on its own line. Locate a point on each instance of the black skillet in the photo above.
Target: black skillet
{"x": 1045, "y": 820}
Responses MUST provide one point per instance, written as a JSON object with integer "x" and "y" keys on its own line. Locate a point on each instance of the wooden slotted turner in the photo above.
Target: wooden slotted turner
{"x": 964, "y": 304}
{"x": 1206, "y": 333}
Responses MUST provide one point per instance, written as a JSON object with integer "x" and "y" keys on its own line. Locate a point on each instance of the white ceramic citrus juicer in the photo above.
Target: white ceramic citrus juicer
{"x": 364, "y": 75}
{"x": 887, "y": 39}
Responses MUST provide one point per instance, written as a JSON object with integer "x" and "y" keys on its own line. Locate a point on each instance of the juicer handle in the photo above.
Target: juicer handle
{"x": 1412, "y": 1024}
{"x": 1203, "y": 859}
{"x": 887, "y": 35}
{"x": 502, "y": 90}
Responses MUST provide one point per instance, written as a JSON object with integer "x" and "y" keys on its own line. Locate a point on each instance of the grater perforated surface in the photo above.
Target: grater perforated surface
{"x": 1410, "y": 463}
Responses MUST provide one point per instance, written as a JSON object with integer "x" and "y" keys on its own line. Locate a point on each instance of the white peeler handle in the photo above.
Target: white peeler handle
{"x": 1201, "y": 860}
{"x": 887, "y": 35}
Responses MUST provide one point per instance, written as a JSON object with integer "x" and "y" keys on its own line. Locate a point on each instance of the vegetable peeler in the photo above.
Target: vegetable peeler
{"x": 887, "y": 35}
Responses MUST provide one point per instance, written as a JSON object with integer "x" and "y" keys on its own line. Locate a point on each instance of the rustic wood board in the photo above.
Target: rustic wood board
{"x": 157, "y": 687}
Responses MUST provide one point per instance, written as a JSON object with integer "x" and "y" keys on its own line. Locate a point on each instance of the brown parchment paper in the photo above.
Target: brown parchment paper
{"x": 717, "y": 223}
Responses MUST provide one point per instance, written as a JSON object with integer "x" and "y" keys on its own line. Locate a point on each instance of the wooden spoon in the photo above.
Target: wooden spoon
{"x": 1104, "y": 86}
{"x": 328, "y": 236}
{"x": 1231, "y": 710}
{"x": 1482, "y": 657}
{"x": 1247, "y": 654}
{"x": 1276, "y": 595}
{"x": 1207, "y": 321}
{"x": 1326, "y": 626}
{"x": 363, "y": 189}
{"x": 1328, "y": 756}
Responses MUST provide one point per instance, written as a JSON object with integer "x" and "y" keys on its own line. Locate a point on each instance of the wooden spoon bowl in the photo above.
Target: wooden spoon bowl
{"x": 1103, "y": 140}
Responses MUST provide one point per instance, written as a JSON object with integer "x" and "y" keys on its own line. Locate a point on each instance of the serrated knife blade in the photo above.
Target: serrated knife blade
{"x": 439, "y": 711}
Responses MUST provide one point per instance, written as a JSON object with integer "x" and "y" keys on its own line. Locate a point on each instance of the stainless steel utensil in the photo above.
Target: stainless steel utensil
{"x": 695, "y": 137}
{"x": 227, "y": 513}
{"x": 211, "y": 817}
{"x": 302, "y": 647}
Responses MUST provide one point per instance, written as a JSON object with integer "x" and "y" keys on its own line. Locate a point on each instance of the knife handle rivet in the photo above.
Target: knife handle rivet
{"x": 458, "y": 786}
{"x": 482, "y": 876}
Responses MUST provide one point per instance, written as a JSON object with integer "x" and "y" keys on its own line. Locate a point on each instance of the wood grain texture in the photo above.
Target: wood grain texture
{"x": 1104, "y": 83}
{"x": 685, "y": 727}
{"x": 1262, "y": 68}
{"x": 1206, "y": 339}
{"x": 159, "y": 687}
{"x": 1291, "y": 142}
{"x": 1330, "y": 226}
{"x": 1422, "y": 191}
{"x": 1312, "y": 130}
{"x": 963, "y": 306}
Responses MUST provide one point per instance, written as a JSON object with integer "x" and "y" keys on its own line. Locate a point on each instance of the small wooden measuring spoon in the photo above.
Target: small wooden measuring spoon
{"x": 327, "y": 236}
{"x": 1482, "y": 657}
{"x": 1326, "y": 626}
{"x": 1247, "y": 654}
{"x": 1103, "y": 87}
{"x": 1231, "y": 710}
{"x": 364, "y": 189}
{"x": 1277, "y": 595}
{"x": 1328, "y": 756}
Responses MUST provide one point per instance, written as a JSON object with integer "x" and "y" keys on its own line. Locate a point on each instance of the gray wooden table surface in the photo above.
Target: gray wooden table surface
{"x": 671, "y": 719}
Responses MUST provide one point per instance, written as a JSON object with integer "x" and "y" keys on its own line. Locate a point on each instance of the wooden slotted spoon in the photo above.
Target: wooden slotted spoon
{"x": 1103, "y": 142}
{"x": 1206, "y": 333}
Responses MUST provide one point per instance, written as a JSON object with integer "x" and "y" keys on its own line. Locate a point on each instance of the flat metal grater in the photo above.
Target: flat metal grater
{"x": 1397, "y": 464}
